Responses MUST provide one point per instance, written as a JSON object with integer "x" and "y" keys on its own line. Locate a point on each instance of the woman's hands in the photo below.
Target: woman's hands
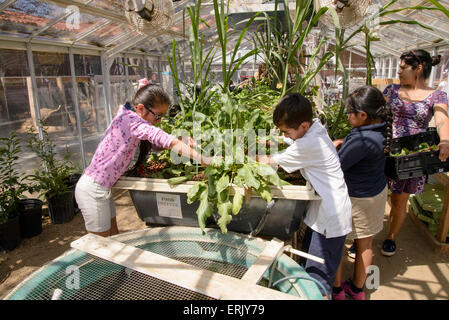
{"x": 443, "y": 146}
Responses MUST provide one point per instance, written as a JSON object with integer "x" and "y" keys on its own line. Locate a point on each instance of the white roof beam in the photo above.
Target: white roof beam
{"x": 434, "y": 33}
{"x": 92, "y": 30}
{"x": 6, "y": 4}
{"x": 124, "y": 45}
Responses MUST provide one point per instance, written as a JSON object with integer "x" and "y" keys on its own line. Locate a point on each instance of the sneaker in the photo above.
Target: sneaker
{"x": 388, "y": 248}
{"x": 341, "y": 295}
{"x": 355, "y": 296}
{"x": 352, "y": 251}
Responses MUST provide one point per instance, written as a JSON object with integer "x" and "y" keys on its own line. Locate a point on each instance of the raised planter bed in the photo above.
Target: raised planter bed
{"x": 159, "y": 204}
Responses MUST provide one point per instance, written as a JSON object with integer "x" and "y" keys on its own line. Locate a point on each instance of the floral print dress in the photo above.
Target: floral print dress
{"x": 411, "y": 117}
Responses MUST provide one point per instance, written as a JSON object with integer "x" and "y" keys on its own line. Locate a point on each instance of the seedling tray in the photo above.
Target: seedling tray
{"x": 417, "y": 164}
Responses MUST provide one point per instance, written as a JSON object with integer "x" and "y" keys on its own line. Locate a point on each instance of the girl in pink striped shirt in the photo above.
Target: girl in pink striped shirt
{"x": 116, "y": 150}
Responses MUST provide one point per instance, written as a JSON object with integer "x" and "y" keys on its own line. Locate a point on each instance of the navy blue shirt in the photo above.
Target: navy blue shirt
{"x": 362, "y": 160}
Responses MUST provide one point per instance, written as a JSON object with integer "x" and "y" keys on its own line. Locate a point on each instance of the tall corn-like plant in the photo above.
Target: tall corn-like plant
{"x": 201, "y": 63}
{"x": 281, "y": 46}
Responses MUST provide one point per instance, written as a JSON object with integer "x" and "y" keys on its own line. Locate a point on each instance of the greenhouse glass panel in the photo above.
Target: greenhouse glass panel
{"x": 16, "y": 104}
{"x": 69, "y": 28}
{"x": 56, "y": 102}
{"x": 90, "y": 101}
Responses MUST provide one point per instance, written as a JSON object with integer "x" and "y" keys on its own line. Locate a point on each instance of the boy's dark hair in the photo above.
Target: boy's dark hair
{"x": 292, "y": 110}
{"x": 150, "y": 95}
{"x": 416, "y": 57}
{"x": 370, "y": 100}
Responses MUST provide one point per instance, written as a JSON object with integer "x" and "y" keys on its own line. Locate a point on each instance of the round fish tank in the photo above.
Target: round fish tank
{"x": 77, "y": 275}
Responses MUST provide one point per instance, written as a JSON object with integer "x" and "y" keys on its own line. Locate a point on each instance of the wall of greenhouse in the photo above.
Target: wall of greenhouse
{"x": 75, "y": 118}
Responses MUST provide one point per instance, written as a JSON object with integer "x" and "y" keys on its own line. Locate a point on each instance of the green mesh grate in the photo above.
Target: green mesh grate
{"x": 229, "y": 254}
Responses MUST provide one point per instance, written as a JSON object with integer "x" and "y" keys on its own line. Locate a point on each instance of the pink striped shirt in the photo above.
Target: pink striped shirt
{"x": 118, "y": 147}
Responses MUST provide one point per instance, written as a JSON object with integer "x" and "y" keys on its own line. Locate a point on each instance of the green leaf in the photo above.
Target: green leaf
{"x": 265, "y": 193}
{"x": 248, "y": 178}
{"x": 237, "y": 202}
{"x": 195, "y": 191}
{"x": 178, "y": 180}
{"x": 225, "y": 217}
{"x": 222, "y": 183}
{"x": 204, "y": 210}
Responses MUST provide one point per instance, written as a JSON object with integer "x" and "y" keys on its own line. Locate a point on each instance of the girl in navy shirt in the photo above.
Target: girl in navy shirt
{"x": 362, "y": 158}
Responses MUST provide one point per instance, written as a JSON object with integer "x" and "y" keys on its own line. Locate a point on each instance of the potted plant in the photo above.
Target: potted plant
{"x": 12, "y": 188}
{"x": 53, "y": 177}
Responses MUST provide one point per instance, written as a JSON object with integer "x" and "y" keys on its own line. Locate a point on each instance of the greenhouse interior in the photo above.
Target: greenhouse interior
{"x": 129, "y": 98}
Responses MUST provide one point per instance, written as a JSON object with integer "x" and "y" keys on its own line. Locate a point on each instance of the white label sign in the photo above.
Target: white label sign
{"x": 169, "y": 205}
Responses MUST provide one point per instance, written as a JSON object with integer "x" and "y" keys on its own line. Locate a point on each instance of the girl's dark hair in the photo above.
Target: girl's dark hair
{"x": 416, "y": 57}
{"x": 292, "y": 110}
{"x": 150, "y": 95}
{"x": 370, "y": 100}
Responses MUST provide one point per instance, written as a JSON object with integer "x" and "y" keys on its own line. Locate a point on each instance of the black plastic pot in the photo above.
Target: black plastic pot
{"x": 10, "y": 234}
{"x": 73, "y": 180}
{"x": 61, "y": 208}
{"x": 30, "y": 213}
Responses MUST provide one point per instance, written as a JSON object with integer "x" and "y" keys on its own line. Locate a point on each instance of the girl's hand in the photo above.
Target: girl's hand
{"x": 188, "y": 140}
{"x": 443, "y": 146}
{"x": 337, "y": 143}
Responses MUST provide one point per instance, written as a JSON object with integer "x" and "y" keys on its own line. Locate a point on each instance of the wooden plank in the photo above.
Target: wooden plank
{"x": 255, "y": 273}
{"x": 161, "y": 185}
{"x": 209, "y": 283}
{"x": 443, "y": 228}
{"x": 436, "y": 245}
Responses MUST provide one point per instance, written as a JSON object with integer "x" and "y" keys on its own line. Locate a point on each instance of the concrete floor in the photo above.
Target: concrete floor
{"x": 416, "y": 272}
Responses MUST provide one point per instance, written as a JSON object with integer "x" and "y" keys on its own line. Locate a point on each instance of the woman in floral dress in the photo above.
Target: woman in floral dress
{"x": 413, "y": 104}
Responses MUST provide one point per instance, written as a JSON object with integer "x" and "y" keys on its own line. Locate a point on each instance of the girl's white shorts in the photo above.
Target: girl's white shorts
{"x": 96, "y": 204}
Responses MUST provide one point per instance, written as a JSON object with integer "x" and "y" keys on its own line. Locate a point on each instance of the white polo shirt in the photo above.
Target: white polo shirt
{"x": 316, "y": 157}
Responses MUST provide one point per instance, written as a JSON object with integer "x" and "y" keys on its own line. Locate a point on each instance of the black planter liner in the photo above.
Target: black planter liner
{"x": 10, "y": 234}
{"x": 73, "y": 180}
{"x": 61, "y": 208}
{"x": 30, "y": 212}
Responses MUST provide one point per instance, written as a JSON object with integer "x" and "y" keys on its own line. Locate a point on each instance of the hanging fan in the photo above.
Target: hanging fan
{"x": 350, "y": 12}
{"x": 149, "y": 17}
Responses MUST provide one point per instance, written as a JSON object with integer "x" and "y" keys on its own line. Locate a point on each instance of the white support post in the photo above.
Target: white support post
{"x": 125, "y": 66}
{"x": 106, "y": 88}
{"x": 37, "y": 111}
{"x": 390, "y": 67}
{"x": 398, "y": 63}
{"x": 432, "y": 73}
{"x": 76, "y": 104}
{"x": 384, "y": 68}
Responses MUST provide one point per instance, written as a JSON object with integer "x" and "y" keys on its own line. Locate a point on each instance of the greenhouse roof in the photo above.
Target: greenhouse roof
{"x": 101, "y": 25}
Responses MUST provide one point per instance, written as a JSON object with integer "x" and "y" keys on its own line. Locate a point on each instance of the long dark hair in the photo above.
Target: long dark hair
{"x": 416, "y": 57}
{"x": 370, "y": 100}
{"x": 149, "y": 95}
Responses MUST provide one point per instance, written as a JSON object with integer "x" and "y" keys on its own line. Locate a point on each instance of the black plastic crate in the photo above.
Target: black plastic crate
{"x": 415, "y": 165}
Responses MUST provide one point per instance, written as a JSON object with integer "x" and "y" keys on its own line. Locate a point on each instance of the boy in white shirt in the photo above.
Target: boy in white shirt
{"x": 313, "y": 153}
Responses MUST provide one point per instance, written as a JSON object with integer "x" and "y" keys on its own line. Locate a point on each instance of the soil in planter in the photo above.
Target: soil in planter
{"x": 155, "y": 169}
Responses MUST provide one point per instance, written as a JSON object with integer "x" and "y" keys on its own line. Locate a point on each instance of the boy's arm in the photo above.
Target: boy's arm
{"x": 267, "y": 160}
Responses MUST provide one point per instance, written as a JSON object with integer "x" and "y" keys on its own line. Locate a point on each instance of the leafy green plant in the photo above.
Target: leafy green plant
{"x": 52, "y": 176}
{"x": 12, "y": 185}
{"x": 224, "y": 119}
{"x": 282, "y": 47}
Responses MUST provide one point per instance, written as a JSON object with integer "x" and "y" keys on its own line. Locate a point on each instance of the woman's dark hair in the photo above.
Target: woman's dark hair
{"x": 292, "y": 110}
{"x": 150, "y": 95}
{"x": 370, "y": 100}
{"x": 416, "y": 57}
